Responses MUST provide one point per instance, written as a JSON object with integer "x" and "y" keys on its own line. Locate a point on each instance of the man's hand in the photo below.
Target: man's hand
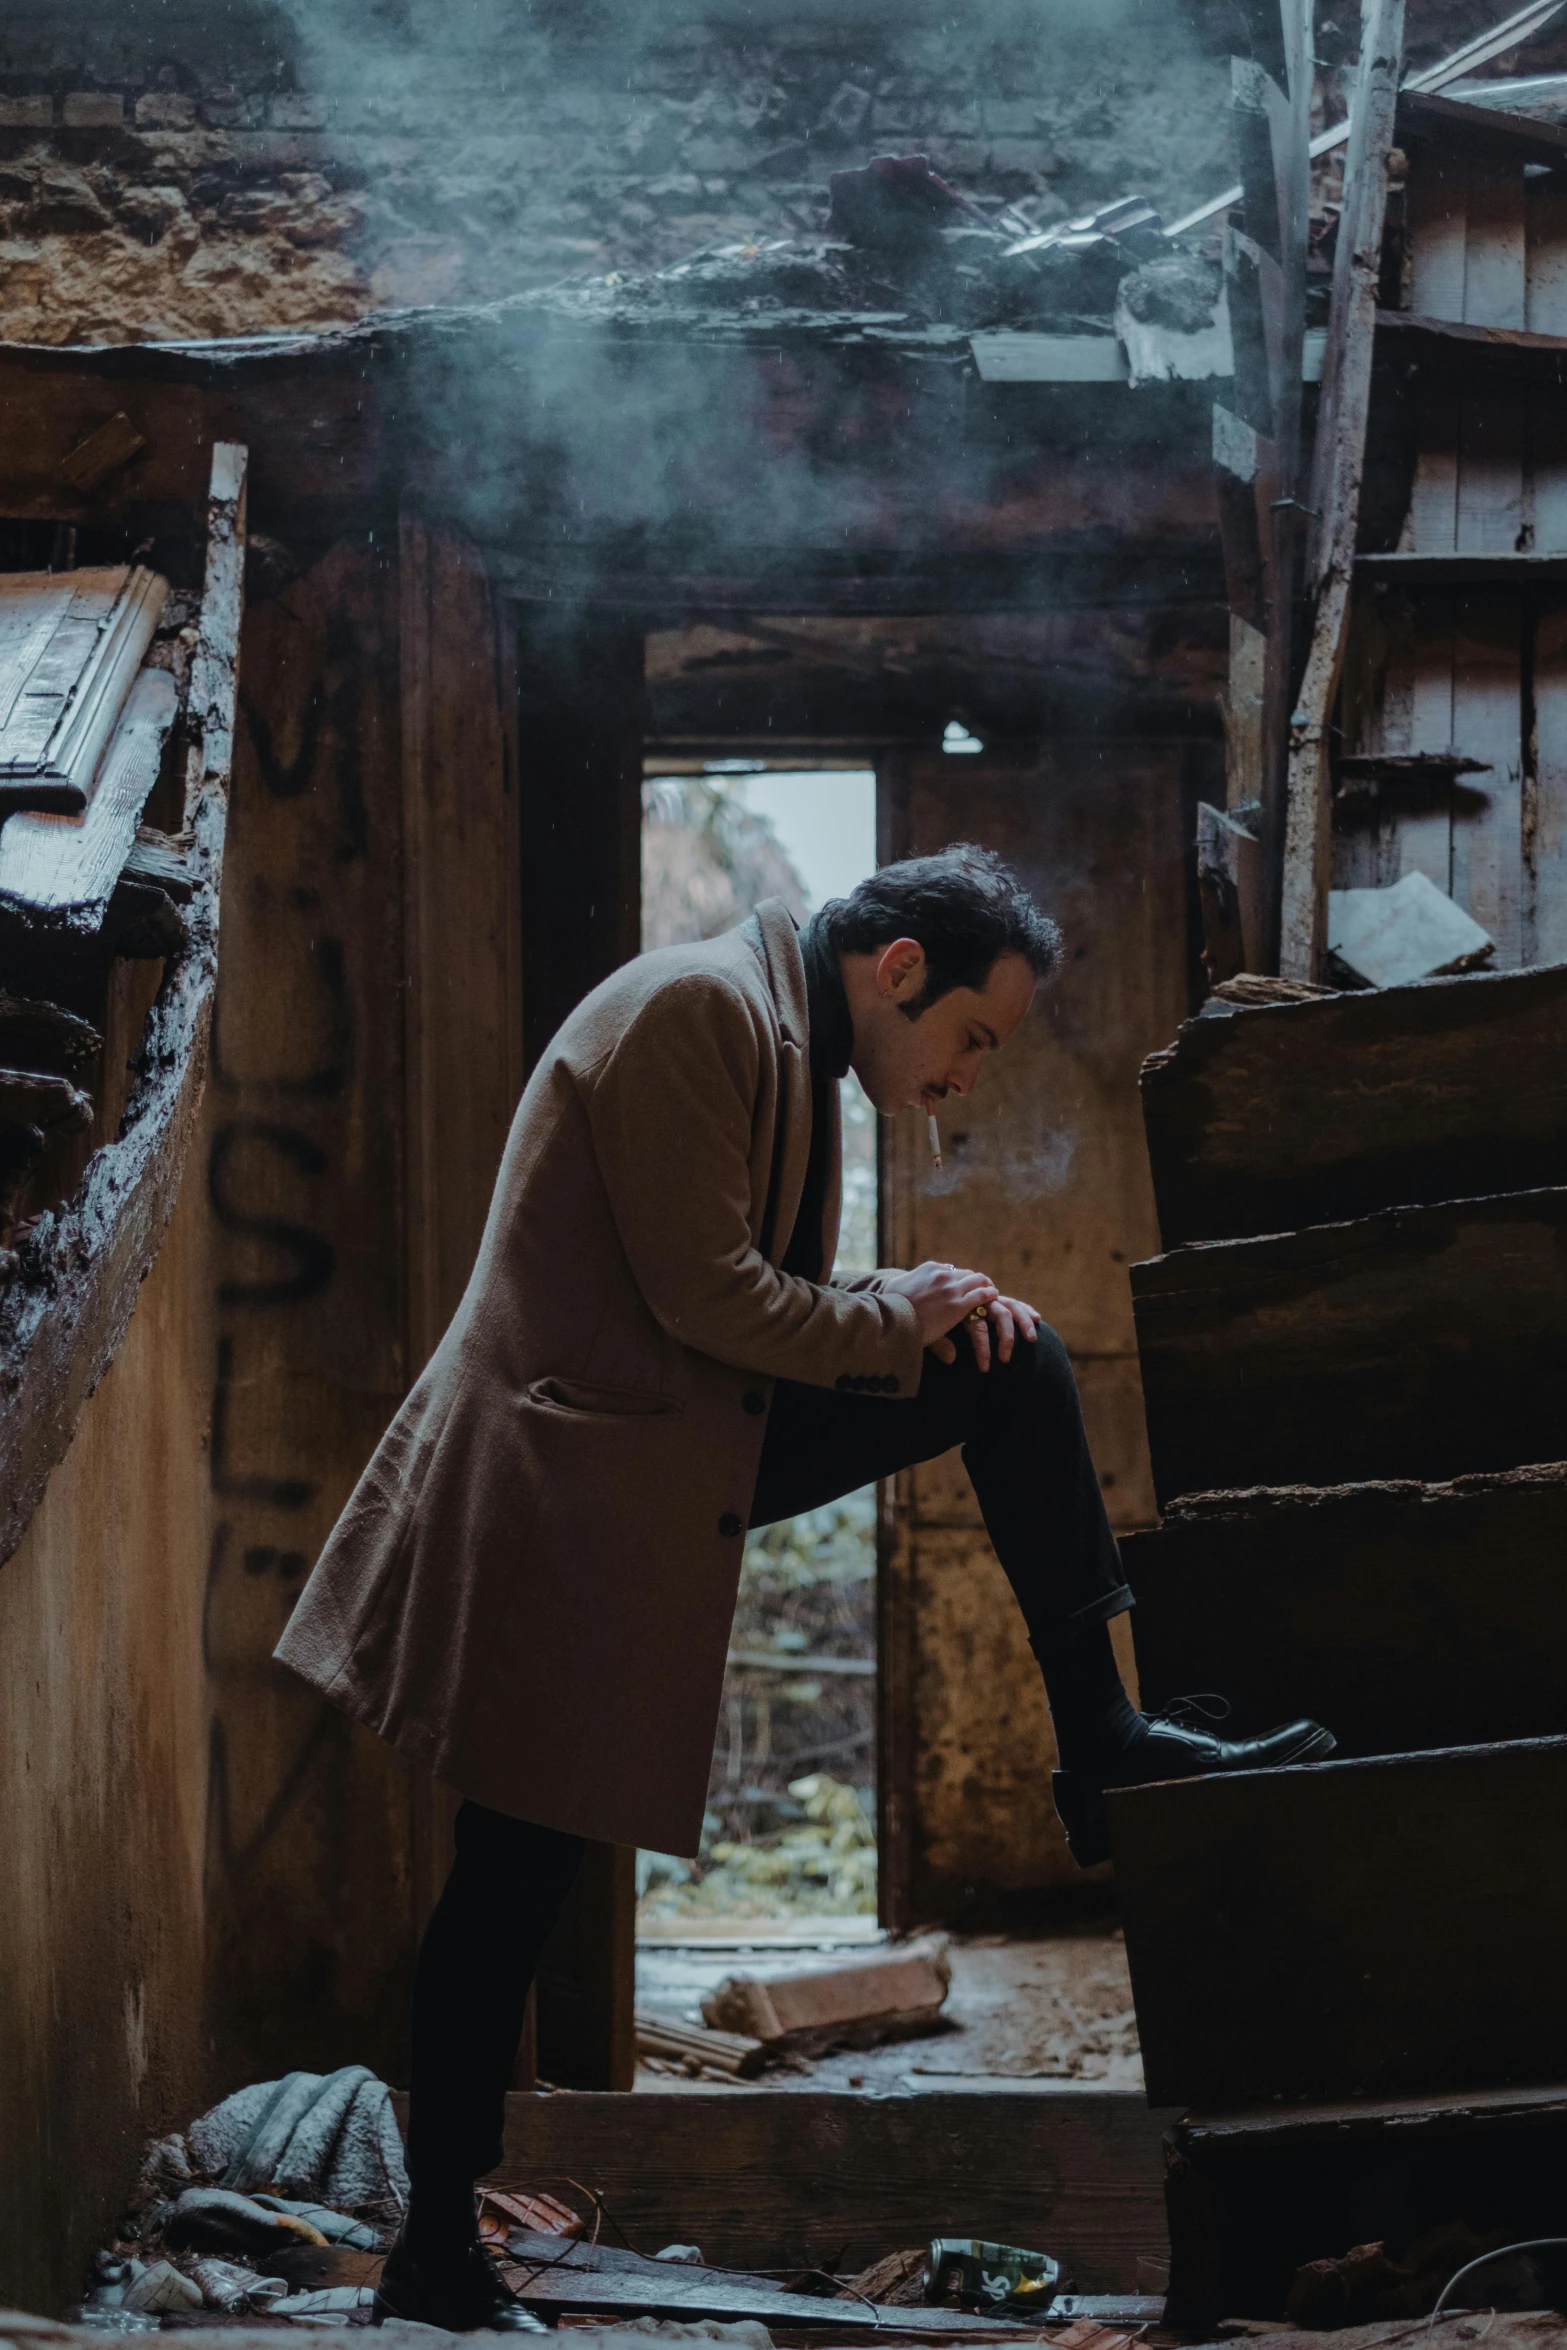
{"x": 1012, "y": 1320}
{"x": 942, "y": 1295}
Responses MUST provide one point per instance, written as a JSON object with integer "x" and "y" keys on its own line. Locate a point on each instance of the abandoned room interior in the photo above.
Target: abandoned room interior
{"x": 495, "y": 490}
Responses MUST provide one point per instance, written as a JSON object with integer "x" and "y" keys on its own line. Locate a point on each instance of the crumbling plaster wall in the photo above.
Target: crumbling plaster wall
{"x": 176, "y": 170}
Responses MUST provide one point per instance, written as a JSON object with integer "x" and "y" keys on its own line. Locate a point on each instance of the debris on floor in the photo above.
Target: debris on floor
{"x": 1036, "y": 2010}
{"x": 696, "y": 2050}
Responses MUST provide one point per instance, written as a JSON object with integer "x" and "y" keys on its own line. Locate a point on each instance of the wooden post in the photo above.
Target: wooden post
{"x": 580, "y": 732}
{"x": 1256, "y": 438}
{"x": 1335, "y": 488}
{"x": 462, "y": 954}
{"x": 579, "y": 754}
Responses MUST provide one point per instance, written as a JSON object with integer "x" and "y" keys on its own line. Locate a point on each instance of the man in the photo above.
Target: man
{"x": 530, "y": 1592}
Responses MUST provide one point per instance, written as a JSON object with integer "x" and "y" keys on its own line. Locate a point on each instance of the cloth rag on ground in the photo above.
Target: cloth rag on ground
{"x": 330, "y": 2136}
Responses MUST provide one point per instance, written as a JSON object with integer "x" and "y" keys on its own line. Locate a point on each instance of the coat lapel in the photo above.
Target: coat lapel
{"x": 779, "y": 947}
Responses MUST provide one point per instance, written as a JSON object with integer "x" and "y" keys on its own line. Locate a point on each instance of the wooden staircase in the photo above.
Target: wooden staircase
{"x": 1358, "y": 1427}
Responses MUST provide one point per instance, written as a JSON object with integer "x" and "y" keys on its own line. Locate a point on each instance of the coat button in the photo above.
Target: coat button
{"x": 729, "y": 1525}
{"x": 752, "y": 1402}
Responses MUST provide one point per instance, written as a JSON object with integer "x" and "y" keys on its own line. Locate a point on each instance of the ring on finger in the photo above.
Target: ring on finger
{"x": 978, "y": 1314}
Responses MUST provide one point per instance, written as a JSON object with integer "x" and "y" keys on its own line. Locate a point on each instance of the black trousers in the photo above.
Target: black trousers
{"x": 1021, "y": 1430}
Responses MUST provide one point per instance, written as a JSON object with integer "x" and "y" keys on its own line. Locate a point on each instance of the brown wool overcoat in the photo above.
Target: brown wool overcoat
{"x": 530, "y": 1591}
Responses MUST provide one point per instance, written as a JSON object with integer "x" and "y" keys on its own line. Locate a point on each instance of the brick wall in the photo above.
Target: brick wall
{"x": 180, "y": 170}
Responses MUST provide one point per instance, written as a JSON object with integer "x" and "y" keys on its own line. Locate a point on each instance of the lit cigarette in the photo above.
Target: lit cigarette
{"x": 935, "y": 1139}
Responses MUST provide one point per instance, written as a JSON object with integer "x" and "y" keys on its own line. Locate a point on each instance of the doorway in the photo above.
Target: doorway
{"x": 789, "y": 1836}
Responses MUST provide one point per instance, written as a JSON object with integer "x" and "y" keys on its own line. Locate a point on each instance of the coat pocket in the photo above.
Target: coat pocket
{"x": 575, "y": 1399}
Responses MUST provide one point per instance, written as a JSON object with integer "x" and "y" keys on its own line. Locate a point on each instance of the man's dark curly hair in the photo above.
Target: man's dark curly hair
{"x": 965, "y": 906}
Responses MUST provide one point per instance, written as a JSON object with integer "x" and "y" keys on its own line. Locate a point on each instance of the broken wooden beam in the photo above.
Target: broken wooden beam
{"x": 897, "y": 1996}
{"x": 1333, "y": 501}
{"x": 1423, "y": 1342}
{"x": 1354, "y": 1929}
{"x": 1271, "y": 1118}
{"x": 1372, "y": 1608}
{"x": 162, "y": 859}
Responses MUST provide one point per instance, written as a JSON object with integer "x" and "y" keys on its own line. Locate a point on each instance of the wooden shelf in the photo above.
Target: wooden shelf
{"x": 1454, "y": 342}
{"x": 1464, "y": 570}
{"x": 1478, "y": 130}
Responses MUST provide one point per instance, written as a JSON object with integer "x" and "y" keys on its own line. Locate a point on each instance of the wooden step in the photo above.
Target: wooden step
{"x": 779, "y": 2178}
{"x": 1254, "y": 2194}
{"x": 1276, "y": 1116}
{"x": 1359, "y": 1929}
{"x": 1423, "y": 1342}
{"x": 1404, "y": 1616}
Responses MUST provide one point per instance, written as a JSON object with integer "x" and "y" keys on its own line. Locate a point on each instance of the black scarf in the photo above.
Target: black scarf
{"x": 831, "y": 1029}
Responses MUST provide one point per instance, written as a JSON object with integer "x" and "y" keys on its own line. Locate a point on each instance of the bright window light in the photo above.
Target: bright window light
{"x": 958, "y": 738}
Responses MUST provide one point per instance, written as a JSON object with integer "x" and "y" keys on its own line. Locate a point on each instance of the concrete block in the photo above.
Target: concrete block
{"x": 93, "y": 110}
{"x": 165, "y": 110}
{"x": 33, "y": 113}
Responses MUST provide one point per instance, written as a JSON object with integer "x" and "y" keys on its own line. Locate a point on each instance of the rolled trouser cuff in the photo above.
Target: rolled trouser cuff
{"x": 1101, "y": 1609}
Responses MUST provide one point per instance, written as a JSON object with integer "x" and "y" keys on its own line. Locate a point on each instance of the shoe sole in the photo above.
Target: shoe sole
{"x": 1080, "y": 1802}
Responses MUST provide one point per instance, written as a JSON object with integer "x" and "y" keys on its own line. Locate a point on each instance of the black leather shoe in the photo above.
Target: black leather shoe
{"x": 464, "y": 2296}
{"x": 1171, "y": 1750}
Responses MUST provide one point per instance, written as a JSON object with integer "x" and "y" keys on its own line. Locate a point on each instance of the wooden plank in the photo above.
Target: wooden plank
{"x": 1545, "y": 308}
{"x": 62, "y": 1320}
{"x": 1448, "y": 126}
{"x": 1433, "y": 505}
{"x": 763, "y": 2178}
{"x": 32, "y": 605}
{"x": 1438, "y": 205}
{"x": 1290, "y": 1114}
{"x": 1422, "y": 1342}
{"x": 1334, "y": 499}
{"x": 1490, "y": 472}
{"x": 1352, "y": 1929}
{"x": 1472, "y": 352}
{"x": 70, "y": 864}
{"x": 1548, "y": 470}
{"x": 1487, "y": 825}
{"x": 1494, "y": 244}
{"x": 1373, "y": 1608}
{"x": 1423, "y": 837}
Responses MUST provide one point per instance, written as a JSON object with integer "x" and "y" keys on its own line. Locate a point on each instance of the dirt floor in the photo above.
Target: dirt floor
{"x": 1053, "y": 2012}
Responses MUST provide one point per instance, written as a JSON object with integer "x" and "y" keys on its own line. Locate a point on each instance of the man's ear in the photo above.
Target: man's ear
{"x": 900, "y": 969}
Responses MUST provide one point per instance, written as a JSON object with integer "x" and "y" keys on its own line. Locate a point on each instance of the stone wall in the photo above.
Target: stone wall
{"x": 183, "y": 171}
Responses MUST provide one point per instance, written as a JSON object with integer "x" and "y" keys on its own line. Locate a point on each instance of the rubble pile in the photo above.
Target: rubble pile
{"x": 250, "y": 182}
